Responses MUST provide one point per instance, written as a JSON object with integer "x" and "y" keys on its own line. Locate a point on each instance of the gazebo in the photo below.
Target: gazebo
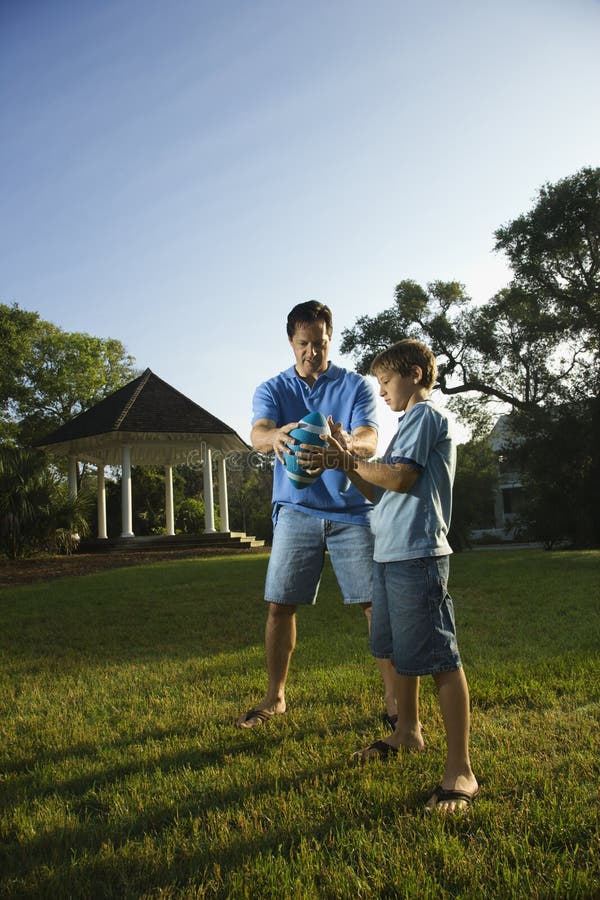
{"x": 148, "y": 422}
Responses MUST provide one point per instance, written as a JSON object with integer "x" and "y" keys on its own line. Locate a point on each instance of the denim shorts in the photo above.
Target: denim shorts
{"x": 298, "y": 556}
{"x": 412, "y": 620}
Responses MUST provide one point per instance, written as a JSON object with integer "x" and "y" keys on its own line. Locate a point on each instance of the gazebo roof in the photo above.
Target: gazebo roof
{"x": 160, "y": 424}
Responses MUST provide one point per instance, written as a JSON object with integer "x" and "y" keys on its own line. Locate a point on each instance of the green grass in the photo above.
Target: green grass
{"x": 122, "y": 776}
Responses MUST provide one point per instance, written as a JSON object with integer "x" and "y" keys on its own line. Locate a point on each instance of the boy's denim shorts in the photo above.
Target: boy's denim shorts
{"x": 298, "y": 555}
{"x": 412, "y": 619}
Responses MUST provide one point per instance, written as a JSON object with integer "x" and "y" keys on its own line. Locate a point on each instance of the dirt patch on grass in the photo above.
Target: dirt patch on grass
{"x": 46, "y": 568}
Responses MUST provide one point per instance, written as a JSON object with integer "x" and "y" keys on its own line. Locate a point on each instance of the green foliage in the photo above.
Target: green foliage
{"x": 554, "y": 252}
{"x": 57, "y": 374}
{"x": 473, "y": 495}
{"x": 250, "y": 493}
{"x": 18, "y": 331}
{"x": 123, "y": 775}
{"x": 553, "y": 452}
{"x": 36, "y": 512}
{"x": 189, "y": 517}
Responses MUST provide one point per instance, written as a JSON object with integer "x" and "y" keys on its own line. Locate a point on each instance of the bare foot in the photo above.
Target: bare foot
{"x": 407, "y": 739}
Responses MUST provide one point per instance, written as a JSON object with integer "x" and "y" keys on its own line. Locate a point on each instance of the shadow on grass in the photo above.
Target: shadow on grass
{"x": 46, "y": 858}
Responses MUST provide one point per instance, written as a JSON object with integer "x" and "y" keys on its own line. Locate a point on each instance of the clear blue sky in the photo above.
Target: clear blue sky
{"x": 179, "y": 174}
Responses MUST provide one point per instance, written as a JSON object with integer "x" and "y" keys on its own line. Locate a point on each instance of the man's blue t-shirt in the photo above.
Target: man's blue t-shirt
{"x": 414, "y": 525}
{"x": 349, "y": 399}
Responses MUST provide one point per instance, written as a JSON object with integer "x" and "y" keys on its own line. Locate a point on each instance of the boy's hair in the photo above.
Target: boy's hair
{"x": 309, "y": 312}
{"x": 402, "y": 356}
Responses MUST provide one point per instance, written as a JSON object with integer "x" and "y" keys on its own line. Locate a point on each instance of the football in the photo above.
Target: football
{"x": 307, "y": 432}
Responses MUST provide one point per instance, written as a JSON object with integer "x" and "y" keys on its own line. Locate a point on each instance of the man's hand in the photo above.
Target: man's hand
{"x": 267, "y": 437}
{"x": 281, "y": 439}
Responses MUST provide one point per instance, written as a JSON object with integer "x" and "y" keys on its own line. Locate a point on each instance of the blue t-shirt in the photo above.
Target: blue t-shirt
{"x": 349, "y": 399}
{"x": 414, "y": 525}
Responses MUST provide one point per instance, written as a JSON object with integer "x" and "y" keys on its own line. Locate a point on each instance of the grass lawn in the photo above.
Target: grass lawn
{"x": 121, "y": 774}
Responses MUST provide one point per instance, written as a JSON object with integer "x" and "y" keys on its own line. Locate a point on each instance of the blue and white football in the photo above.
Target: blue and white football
{"x": 307, "y": 432}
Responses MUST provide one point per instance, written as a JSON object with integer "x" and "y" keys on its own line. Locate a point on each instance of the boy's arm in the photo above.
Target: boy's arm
{"x": 398, "y": 477}
{"x": 362, "y": 441}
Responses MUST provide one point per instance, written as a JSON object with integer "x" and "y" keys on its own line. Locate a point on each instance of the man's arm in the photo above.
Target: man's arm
{"x": 266, "y": 436}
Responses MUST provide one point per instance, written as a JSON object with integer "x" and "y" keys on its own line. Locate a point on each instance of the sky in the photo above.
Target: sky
{"x": 178, "y": 175}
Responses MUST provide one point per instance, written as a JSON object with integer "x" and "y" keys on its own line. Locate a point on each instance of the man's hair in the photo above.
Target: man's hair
{"x": 309, "y": 312}
{"x": 402, "y": 356}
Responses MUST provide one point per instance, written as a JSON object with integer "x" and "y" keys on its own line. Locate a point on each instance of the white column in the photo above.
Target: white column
{"x": 72, "y": 477}
{"x": 169, "y": 511}
{"x": 101, "y": 504}
{"x": 126, "y": 515}
{"x": 223, "y": 500}
{"x": 209, "y": 512}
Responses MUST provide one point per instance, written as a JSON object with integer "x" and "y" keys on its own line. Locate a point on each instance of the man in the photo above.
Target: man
{"x": 329, "y": 514}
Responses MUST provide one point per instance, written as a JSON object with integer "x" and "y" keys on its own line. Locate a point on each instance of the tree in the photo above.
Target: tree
{"x": 506, "y": 350}
{"x": 554, "y": 252}
{"x": 18, "y": 330}
{"x": 534, "y": 342}
{"x": 57, "y": 374}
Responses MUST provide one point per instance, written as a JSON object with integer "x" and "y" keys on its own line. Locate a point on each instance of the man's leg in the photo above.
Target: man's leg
{"x": 292, "y": 580}
{"x": 280, "y": 640}
{"x": 387, "y": 672}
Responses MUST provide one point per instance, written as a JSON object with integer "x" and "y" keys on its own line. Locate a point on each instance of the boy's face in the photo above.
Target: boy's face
{"x": 397, "y": 389}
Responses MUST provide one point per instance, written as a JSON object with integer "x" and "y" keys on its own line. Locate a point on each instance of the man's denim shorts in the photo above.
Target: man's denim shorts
{"x": 412, "y": 620}
{"x": 298, "y": 555}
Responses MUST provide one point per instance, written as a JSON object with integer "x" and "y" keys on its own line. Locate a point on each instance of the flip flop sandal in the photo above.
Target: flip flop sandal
{"x": 263, "y": 715}
{"x": 443, "y": 796}
{"x": 382, "y": 751}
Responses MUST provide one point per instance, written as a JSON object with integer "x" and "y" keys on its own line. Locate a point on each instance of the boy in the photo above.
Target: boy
{"x": 412, "y": 616}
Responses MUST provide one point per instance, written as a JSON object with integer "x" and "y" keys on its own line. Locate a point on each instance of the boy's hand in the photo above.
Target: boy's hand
{"x": 341, "y": 436}
{"x": 333, "y": 456}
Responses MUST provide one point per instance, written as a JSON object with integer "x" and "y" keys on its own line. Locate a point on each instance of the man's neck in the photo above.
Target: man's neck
{"x": 310, "y": 379}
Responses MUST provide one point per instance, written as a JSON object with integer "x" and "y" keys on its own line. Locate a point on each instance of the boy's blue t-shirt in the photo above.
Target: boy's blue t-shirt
{"x": 413, "y": 525}
{"x": 349, "y": 399}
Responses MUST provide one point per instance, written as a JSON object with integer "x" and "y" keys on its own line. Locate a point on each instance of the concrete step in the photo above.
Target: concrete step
{"x": 169, "y": 542}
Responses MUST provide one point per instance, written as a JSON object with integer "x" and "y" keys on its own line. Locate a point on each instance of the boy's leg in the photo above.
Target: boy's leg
{"x": 454, "y": 704}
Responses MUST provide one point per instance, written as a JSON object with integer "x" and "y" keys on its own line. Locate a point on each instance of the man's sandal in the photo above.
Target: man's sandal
{"x": 262, "y": 715}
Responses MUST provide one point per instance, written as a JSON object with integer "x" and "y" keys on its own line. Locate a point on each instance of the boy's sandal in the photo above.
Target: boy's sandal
{"x": 390, "y": 720}
{"x": 444, "y": 796}
{"x": 381, "y": 750}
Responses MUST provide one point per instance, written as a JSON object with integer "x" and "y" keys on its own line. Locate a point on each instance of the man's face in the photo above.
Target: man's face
{"x": 310, "y": 344}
